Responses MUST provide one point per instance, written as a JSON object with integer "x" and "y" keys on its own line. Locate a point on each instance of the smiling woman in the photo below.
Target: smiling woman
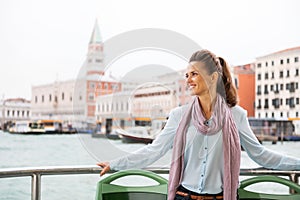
{"x": 205, "y": 136}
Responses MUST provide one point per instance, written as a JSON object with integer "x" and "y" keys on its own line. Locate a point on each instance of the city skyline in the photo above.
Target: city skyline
{"x": 46, "y": 41}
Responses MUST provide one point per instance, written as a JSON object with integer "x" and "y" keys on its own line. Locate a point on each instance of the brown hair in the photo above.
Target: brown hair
{"x": 225, "y": 86}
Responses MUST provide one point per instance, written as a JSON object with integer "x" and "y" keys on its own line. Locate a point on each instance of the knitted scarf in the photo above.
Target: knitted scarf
{"x": 221, "y": 119}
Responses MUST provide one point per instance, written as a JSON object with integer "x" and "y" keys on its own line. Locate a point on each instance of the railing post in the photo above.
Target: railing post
{"x": 36, "y": 186}
{"x": 293, "y": 177}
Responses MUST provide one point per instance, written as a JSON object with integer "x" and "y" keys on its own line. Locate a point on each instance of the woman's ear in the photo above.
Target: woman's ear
{"x": 214, "y": 77}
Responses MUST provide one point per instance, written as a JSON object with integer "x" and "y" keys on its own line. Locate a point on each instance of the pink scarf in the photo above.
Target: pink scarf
{"x": 221, "y": 119}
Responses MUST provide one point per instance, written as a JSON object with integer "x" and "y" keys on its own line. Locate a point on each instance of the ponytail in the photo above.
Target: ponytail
{"x": 228, "y": 86}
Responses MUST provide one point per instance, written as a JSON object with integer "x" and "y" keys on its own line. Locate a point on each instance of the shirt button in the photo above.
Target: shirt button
{"x": 202, "y": 175}
{"x": 204, "y": 162}
{"x": 205, "y": 148}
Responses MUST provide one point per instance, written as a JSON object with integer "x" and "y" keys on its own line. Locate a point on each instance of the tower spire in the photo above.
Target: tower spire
{"x": 96, "y": 36}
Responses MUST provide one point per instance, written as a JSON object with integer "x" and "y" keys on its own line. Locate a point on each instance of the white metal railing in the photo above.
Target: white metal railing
{"x": 38, "y": 172}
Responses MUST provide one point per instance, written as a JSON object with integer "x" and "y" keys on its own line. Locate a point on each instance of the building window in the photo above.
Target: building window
{"x": 258, "y": 65}
{"x": 296, "y": 59}
{"x": 275, "y": 102}
{"x": 258, "y": 89}
{"x": 297, "y": 114}
{"x": 266, "y": 64}
{"x": 55, "y": 99}
{"x": 266, "y": 76}
{"x": 297, "y": 100}
{"x": 281, "y": 86}
{"x": 297, "y": 72}
{"x": 281, "y": 61}
{"x": 281, "y": 114}
{"x": 266, "y": 103}
{"x": 8, "y": 112}
{"x": 288, "y": 73}
{"x": 91, "y": 96}
{"x": 281, "y": 74}
{"x": 35, "y": 99}
{"x": 92, "y": 85}
{"x": 287, "y": 86}
{"x": 287, "y": 60}
{"x": 259, "y": 104}
{"x": 43, "y": 98}
{"x": 272, "y": 88}
{"x": 266, "y": 90}
{"x": 287, "y": 101}
{"x": 272, "y": 63}
{"x": 50, "y": 97}
{"x": 62, "y": 96}
{"x": 258, "y": 76}
{"x": 28, "y": 113}
{"x": 272, "y": 115}
{"x": 272, "y": 75}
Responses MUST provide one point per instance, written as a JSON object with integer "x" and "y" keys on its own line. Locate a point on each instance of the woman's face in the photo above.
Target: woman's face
{"x": 197, "y": 79}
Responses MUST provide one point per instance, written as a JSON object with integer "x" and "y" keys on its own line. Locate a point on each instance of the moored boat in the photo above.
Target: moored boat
{"x": 291, "y": 138}
{"x": 138, "y": 134}
{"x": 26, "y": 127}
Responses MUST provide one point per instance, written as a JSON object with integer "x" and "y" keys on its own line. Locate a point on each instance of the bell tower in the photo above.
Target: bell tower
{"x": 94, "y": 62}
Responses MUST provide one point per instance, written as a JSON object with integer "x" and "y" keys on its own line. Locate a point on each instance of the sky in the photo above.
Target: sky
{"x": 43, "y": 41}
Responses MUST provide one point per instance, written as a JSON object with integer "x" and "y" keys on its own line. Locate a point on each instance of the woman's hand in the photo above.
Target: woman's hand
{"x": 105, "y": 167}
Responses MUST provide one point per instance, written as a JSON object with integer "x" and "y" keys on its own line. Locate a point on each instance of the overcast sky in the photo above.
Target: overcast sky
{"x": 41, "y": 41}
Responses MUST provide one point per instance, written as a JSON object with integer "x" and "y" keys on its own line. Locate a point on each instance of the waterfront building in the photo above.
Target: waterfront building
{"x": 277, "y": 84}
{"x": 15, "y": 109}
{"x": 74, "y": 101}
{"x": 244, "y": 77}
{"x": 138, "y": 103}
{"x": 113, "y": 111}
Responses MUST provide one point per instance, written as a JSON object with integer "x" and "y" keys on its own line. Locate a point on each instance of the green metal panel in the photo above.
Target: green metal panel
{"x": 108, "y": 191}
{"x": 245, "y": 194}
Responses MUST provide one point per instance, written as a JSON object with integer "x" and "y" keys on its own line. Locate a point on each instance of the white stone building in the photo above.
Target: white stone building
{"x": 277, "y": 84}
{"x": 14, "y": 110}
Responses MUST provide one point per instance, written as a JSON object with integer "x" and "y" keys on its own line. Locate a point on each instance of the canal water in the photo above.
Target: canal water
{"x": 78, "y": 149}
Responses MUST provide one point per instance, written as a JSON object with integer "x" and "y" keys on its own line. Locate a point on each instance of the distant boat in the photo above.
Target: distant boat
{"x": 26, "y": 127}
{"x": 291, "y": 138}
{"x": 138, "y": 134}
{"x": 40, "y": 127}
{"x": 53, "y": 126}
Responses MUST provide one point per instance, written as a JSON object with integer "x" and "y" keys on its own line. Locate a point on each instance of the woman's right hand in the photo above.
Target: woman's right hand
{"x": 105, "y": 167}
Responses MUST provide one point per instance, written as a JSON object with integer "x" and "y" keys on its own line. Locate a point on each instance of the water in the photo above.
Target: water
{"x": 79, "y": 149}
